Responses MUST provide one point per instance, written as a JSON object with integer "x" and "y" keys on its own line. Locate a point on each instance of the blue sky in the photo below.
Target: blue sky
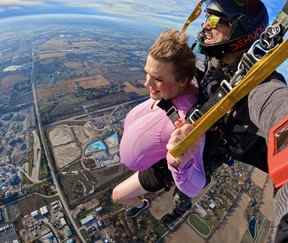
{"x": 165, "y": 13}
{"x": 162, "y": 13}
{"x": 10, "y": 8}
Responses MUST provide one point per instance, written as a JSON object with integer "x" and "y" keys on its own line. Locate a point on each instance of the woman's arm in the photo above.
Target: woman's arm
{"x": 187, "y": 171}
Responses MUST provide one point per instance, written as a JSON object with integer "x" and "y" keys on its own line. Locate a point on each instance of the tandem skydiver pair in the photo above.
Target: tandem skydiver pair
{"x": 229, "y": 30}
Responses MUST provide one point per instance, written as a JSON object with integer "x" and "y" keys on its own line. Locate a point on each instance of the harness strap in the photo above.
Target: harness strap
{"x": 194, "y": 15}
{"x": 170, "y": 109}
{"x": 195, "y": 113}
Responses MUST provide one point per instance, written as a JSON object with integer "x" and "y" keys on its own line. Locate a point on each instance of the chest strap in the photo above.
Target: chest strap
{"x": 195, "y": 113}
{"x": 170, "y": 109}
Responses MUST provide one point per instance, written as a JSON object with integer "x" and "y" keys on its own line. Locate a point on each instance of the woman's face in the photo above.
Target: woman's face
{"x": 161, "y": 81}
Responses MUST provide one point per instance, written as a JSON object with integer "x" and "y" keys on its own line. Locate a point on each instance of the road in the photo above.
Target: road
{"x": 94, "y": 113}
{"x": 49, "y": 156}
{"x": 28, "y": 176}
{"x": 36, "y": 157}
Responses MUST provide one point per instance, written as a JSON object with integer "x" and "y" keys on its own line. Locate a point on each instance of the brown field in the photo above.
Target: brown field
{"x": 236, "y": 224}
{"x": 51, "y": 55}
{"x": 74, "y": 65}
{"x": 66, "y": 154}
{"x": 96, "y": 81}
{"x": 259, "y": 177}
{"x": 54, "y": 44}
{"x": 59, "y": 44}
{"x": 9, "y": 80}
{"x": 84, "y": 43}
{"x": 84, "y": 134}
{"x": 131, "y": 88}
{"x": 185, "y": 234}
{"x": 93, "y": 65}
{"x": 67, "y": 86}
{"x": 162, "y": 204}
{"x": 33, "y": 202}
{"x": 65, "y": 141}
{"x": 267, "y": 208}
{"x": 230, "y": 232}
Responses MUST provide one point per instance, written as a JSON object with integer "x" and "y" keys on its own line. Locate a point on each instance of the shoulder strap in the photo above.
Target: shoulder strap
{"x": 195, "y": 113}
{"x": 170, "y": 109}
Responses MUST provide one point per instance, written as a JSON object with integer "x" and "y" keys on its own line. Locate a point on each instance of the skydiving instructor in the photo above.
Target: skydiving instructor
{"x": 230, "y": 28}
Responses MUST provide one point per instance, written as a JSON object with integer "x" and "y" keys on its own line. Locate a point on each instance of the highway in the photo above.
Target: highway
{"x": 49, "y": 156}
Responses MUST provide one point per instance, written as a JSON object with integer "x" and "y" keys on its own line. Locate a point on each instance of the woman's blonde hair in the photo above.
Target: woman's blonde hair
{"x": 172, "y": 46}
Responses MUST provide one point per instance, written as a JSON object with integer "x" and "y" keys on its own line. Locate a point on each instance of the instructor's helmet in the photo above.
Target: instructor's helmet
{"x": 248, "y": 19}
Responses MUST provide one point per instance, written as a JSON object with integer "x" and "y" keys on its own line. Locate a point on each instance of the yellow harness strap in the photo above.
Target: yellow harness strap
{"x": 194, "y": 15}
{"x": 259, "y": 72}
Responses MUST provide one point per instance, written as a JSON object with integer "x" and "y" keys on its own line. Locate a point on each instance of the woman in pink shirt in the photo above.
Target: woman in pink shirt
{"x": 169, "y": 72}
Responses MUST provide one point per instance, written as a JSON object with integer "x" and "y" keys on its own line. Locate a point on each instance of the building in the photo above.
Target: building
{"x": 67, "y": 232}
{"x": 100, "y": 224}
{"x": 8, "y": 233}
{"x": 70, "y": 241}
{"x": 1, "y": 216}
{"x": 87, "y": 220}
{"x": 35, "y": 214}
{"x": 99, "y": 209}
{"x": 50, "y": 237}
{"x": 5, "y": 227}
{"x": 212, "y": 204}
{"x": 14, "y": 180}
{"x": 200, "y": 210}
{"x": 4, "y": 159}
{"x": 54, "y": 203}
{"x": 12, "y": 68}
{"x": 44, "y": 211}
{"x": 63, "y": 222}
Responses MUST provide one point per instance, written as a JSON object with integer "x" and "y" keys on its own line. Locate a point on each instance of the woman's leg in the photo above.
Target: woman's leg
{"x": 128, "y": 191}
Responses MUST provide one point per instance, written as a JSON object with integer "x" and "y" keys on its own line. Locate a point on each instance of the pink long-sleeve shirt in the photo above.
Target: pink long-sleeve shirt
{"x": 147, "y": 130}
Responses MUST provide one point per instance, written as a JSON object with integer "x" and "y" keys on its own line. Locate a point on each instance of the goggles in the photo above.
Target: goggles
{"x": 214, "y": 20}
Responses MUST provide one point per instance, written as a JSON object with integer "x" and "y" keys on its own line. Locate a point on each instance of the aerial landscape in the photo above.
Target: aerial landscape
{"x": 67, "y": 81}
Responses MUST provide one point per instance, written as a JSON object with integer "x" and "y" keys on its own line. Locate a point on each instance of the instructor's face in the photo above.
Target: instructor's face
{"x": 215, "y": 30}
{"x": 160, "y": 79}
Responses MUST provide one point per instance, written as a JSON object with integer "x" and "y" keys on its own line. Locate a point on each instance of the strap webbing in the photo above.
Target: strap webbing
{"x": 194, "y": 114}
{"x": 170, "y": 109}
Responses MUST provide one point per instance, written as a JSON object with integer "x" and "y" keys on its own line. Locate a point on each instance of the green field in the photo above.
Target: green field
{"x": 199, "y": 225}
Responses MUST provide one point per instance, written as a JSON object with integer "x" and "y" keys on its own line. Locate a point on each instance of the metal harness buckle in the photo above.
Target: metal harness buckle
{"x": 194, "y": 115}
{"x": 172, "y": 113}
{"x": 225, "y": 87}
